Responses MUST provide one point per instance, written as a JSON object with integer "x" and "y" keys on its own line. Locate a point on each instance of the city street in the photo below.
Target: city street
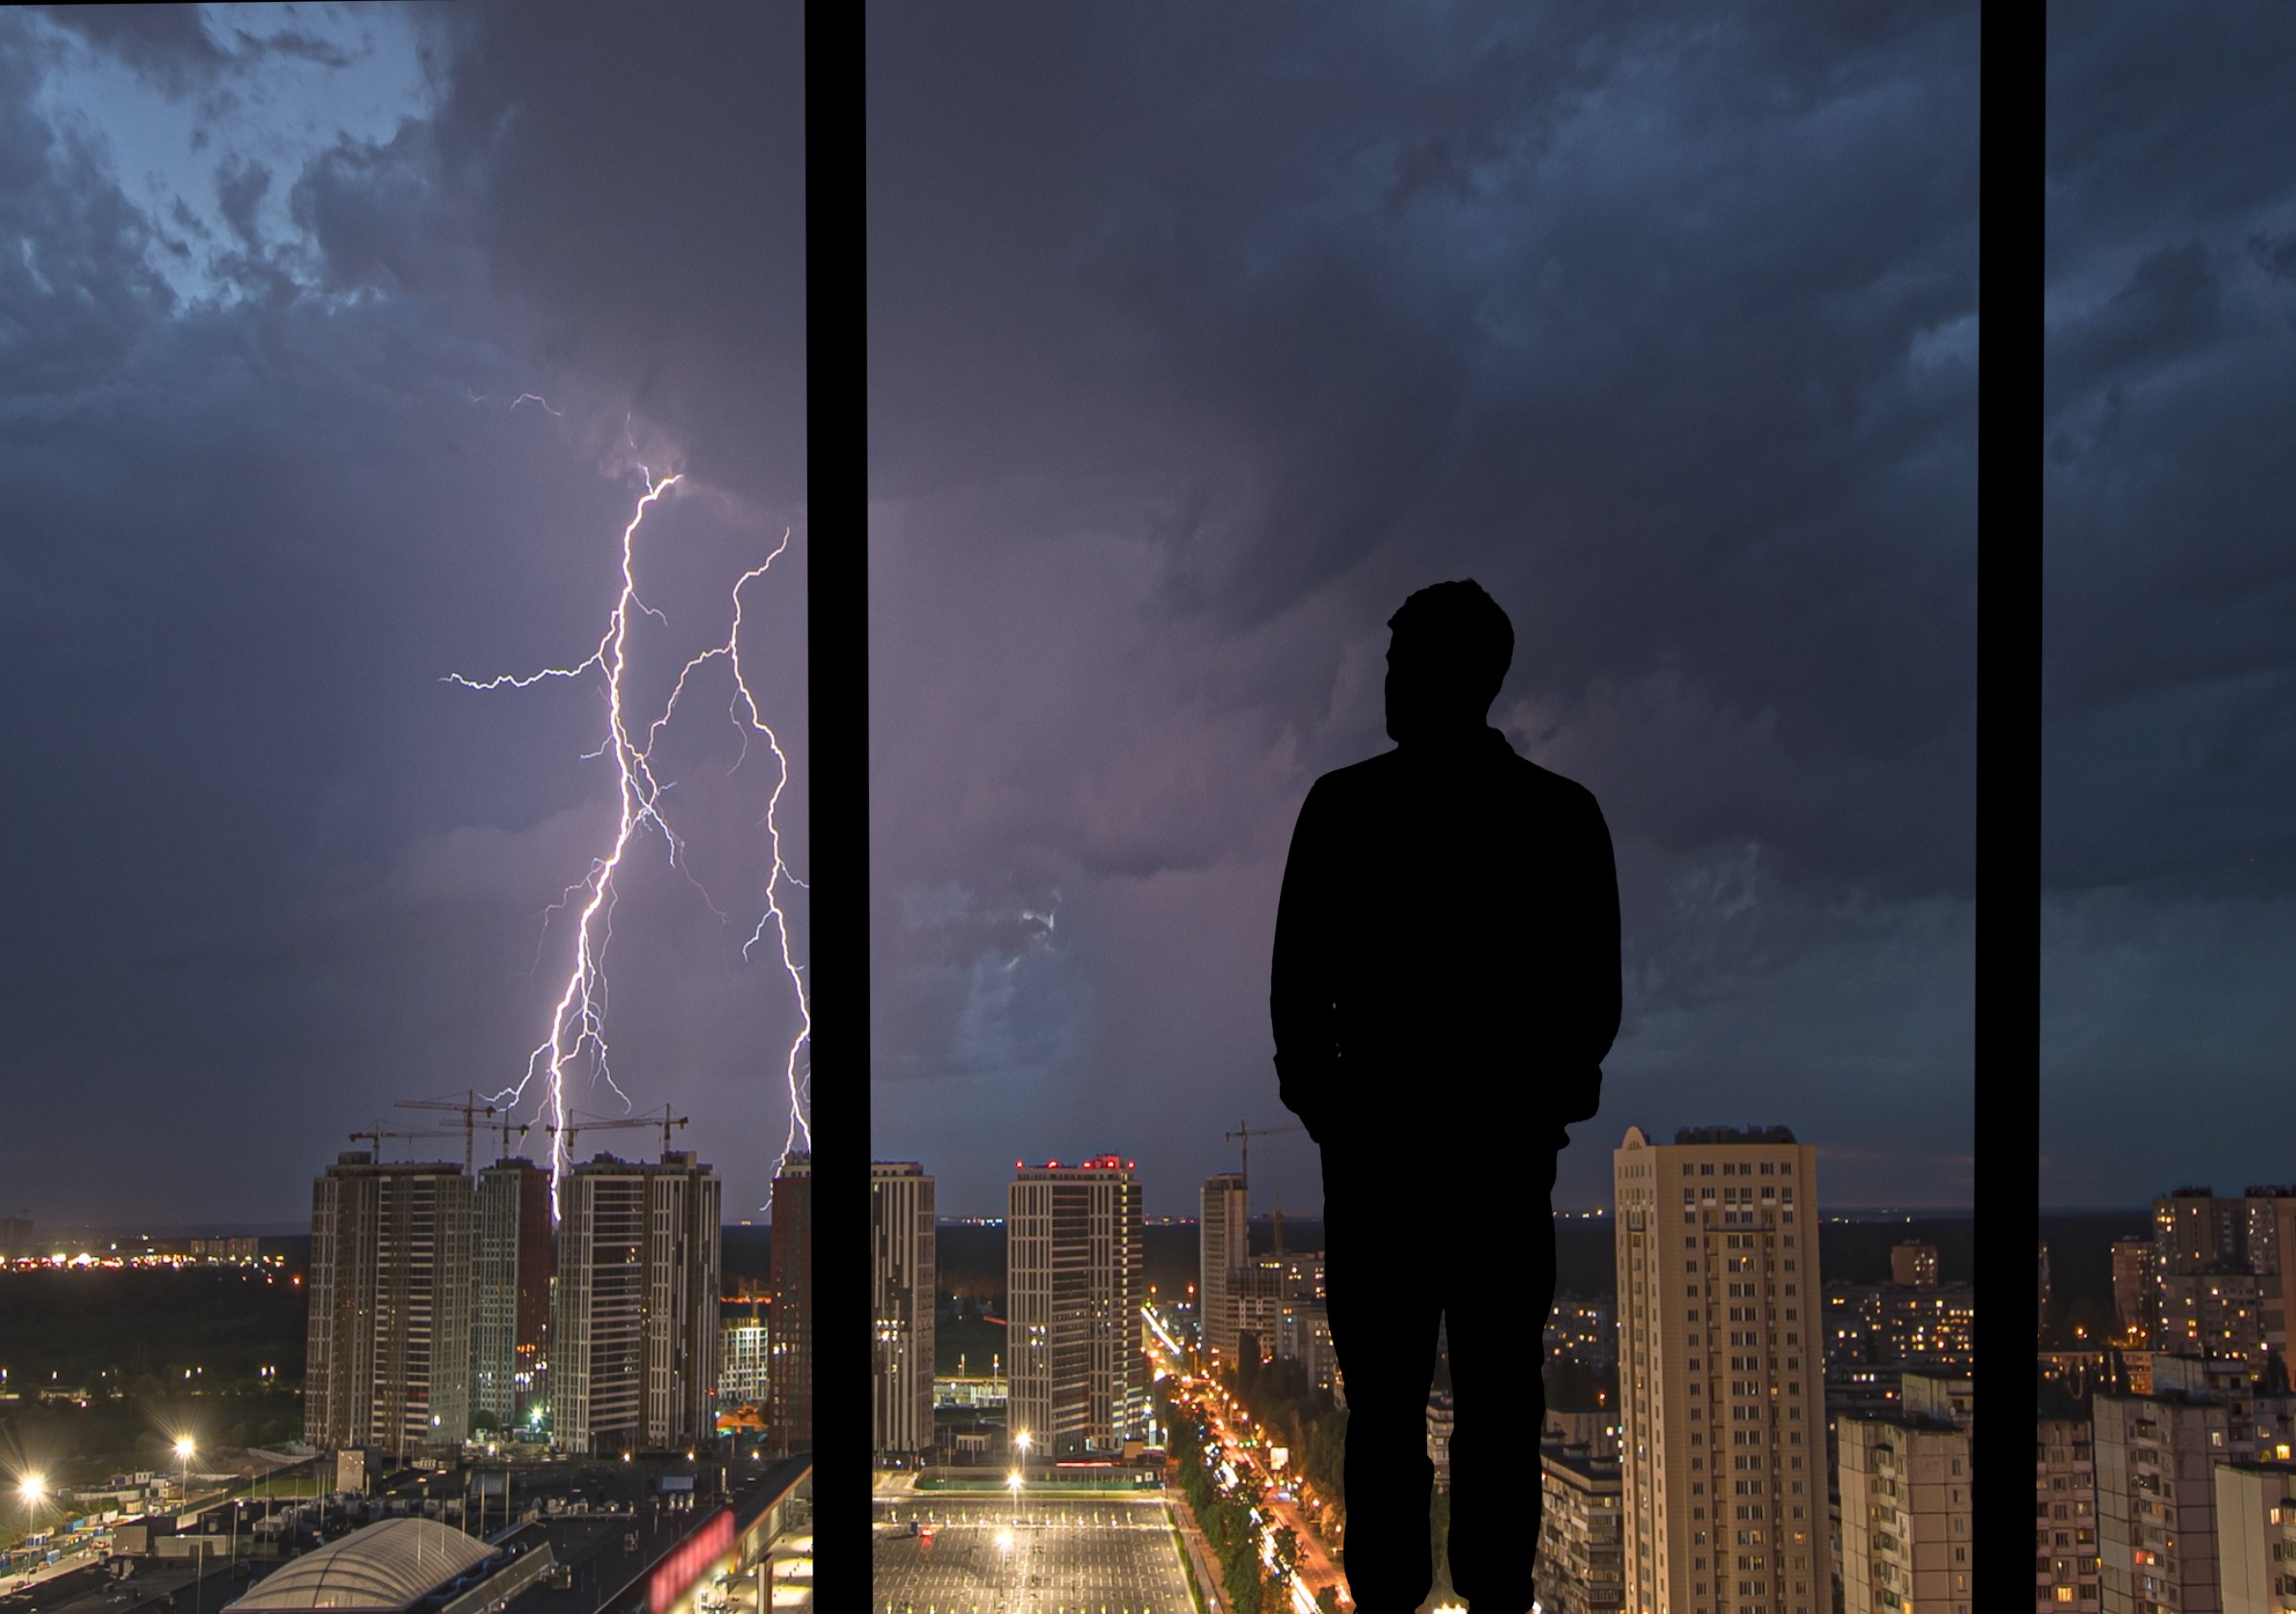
{"x": 1229, "y": 1426}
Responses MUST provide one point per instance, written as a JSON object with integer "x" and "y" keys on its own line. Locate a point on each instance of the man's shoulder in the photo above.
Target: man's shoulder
{"x": 1549, "y": 786}
{"x": 1368, "y": 775}
{"x": 1540, "y": 787}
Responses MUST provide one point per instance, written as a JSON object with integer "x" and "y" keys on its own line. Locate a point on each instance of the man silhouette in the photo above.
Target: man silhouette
{"x": 1446, "y": 986}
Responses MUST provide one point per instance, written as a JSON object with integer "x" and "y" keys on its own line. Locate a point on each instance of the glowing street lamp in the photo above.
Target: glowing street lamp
{"x": 32, "y": 1489}
{"x": 183, "y": 1448}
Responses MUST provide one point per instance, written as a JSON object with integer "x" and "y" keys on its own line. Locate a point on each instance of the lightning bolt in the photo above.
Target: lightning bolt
{"x": 577, "y": 1042}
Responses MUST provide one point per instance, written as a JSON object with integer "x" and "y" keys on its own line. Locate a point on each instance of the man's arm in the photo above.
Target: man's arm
{"x": 1301, "y": 986}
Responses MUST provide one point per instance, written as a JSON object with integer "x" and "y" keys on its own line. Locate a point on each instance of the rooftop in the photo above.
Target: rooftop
{"x": 387, "y": 1566}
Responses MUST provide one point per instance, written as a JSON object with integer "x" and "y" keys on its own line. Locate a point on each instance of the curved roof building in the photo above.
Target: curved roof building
{"x": 386, "y": 1568}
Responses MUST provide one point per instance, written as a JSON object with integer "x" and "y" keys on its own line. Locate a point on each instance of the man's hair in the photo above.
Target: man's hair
{"x": 1461, "y": 625}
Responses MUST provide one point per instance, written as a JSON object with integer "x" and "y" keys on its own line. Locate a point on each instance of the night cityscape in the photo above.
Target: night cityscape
{"x": 1075, "y": 1393}
{"x": 1337, "y": 526}
{"x": 1201, "y": 341}
{"x": 405, "y": 1172}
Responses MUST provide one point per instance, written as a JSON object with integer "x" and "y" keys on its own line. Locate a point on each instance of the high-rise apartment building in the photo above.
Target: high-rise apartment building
{"x": 1721, "y": 1380}
{"x": 1896, "y": 1325}
{"x": 1914, "y": 1265}
{"x": 2216, "y": 1273}
{"x": 389, "y": 1326}
{"x": 2065, "y": 1515}
{"x": 1223, "y": 1240}
{"x": 510, "y": 1299}
{"x": 791, "y": 1362}
{"x": 2212, "y": 1313}
{"x": 743, "y": 1376}
{"x": 1075, "y": 1352}
{"x": 634, "y": 1339}
{"x": 2156, "y": 1498}
{"x": 901, "y": 1226}
{"x": 2255, "y": 1536}
{"x": 1580, "y": 1570}
{"x": 2133, "y": 1288}
{"x": 1905, "y": 1515}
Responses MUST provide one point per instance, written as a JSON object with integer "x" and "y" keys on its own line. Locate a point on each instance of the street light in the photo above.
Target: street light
{"x": 183, "y": 1448}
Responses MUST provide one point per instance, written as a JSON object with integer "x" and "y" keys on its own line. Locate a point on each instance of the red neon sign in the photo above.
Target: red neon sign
{"x": 677, "y": 1572}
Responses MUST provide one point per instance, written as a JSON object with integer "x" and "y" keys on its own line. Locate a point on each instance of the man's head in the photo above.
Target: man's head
{"x": 1450, "y": 650}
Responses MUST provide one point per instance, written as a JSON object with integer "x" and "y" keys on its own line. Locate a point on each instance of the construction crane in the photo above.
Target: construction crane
{"x": 580, "y": 1124}
{"x": 470, "y": 1110}
{"x": 1247, "y": 1132}
{"x": 378, "y": 1132}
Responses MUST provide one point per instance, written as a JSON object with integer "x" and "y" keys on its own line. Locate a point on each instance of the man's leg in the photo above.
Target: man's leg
{"x": 1497, "y": 1326}
{"x": 1380, "y": 1294}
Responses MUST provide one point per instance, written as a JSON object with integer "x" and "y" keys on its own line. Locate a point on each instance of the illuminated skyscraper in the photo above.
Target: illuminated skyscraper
{"x": 790, "y": 1349}
{"x": 389, "y": 1329}
{"x": 1075, "y": 1263}
{"x": 1721, "y": 1381}
{"x": 511, "y": 1291}
{"x": 634, "y": 1342}
{"x": 902, "y": 1245}
{"x": 1223, "y": 1239}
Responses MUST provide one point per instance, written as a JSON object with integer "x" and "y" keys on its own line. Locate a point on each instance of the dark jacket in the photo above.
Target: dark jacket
{"x": 1447, "y": 957}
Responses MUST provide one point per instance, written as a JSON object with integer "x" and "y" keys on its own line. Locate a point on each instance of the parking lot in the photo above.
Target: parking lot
{"x": 1067, "y": 1556}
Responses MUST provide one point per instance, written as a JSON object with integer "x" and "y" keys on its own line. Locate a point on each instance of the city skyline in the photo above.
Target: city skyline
{"x": 1263, "y": 1202}
{"x": 352, "y": 337}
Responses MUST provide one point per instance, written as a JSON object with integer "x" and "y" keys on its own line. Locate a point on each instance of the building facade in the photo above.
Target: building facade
{"x": 1901, "y": 1326}
{"x": 516, "y": 1257}
{"x": 2155, "y": 1490}
{"x": 2215, "y": 1272}
{"x": 743, "y": 1377}
{"x": 634, "y": 1339}
{"x": 1913, "y": 1265}
{"x": 1720, "y": 1382}
{"x": 1905, "y": 1515}
{"x": 1580, "y": 1570}
{"x": 1223, "y": 1246}
{"x": 901, "y": 1224}
{"x": 2133, "y": 1288}
{"x": 389, "y": 1329}
{"x": 1075, "y": 1351}
{"x": 2065, "y": 1515}
{"x": 790, "y": 1368}
{"x": 2255, "y": 1536}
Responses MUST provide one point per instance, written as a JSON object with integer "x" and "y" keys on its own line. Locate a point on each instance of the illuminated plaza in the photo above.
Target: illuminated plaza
{"x": 1037, "y": 1556}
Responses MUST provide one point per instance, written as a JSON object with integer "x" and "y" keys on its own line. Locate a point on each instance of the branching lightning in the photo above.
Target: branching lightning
{"x": 576, "y": 1043}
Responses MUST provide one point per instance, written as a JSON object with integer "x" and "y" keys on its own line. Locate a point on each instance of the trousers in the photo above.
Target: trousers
{"x": 1464, "y": 1239}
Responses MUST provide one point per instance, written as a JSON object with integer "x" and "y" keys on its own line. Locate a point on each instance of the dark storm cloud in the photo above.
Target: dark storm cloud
{"x": 2168, "y": 859}
{"x": 1199, "y": 339}
{"x": 266, "y": 872}
{"x": 629, "y": 159}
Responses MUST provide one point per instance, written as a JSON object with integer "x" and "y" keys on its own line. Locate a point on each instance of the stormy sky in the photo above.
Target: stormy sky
{"x": 276, "y": 279}
{"x": 2169, "y": 848}
{"x": 1200, "y": 337}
